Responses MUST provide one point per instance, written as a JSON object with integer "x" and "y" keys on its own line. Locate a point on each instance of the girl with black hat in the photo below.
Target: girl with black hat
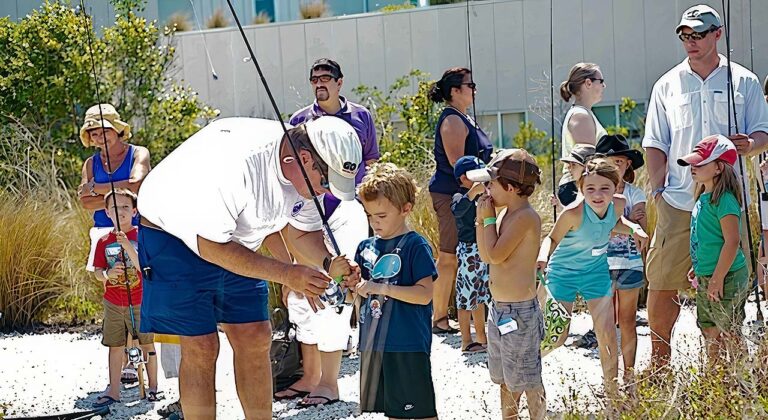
{"x": 624, "y": 260}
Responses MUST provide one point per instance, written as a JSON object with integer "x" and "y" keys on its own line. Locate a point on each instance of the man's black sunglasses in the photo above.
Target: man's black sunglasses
{"x": 695, "y": 36}
{"x": 324, "y": 78}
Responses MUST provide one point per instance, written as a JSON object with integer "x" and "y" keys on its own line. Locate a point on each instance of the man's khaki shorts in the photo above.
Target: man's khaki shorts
{"x": 669, "y": 257}
{"x": 117, "y": 325}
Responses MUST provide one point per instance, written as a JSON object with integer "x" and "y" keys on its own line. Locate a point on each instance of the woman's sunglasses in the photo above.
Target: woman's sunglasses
{"x": 471, "y": 85}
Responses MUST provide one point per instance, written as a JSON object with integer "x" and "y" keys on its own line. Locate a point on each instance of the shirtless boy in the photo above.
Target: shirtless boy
{"x": 510, "y": 247}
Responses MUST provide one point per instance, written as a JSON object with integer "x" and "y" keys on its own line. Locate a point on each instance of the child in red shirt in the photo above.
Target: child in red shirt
{"x": 114, "y": 272}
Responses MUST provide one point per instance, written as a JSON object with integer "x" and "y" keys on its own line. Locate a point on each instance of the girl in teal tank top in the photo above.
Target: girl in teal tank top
{"x": 578, "y": 245}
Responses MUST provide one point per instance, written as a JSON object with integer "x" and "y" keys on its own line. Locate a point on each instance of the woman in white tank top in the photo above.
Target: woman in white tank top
{"x": 585, "y": 85}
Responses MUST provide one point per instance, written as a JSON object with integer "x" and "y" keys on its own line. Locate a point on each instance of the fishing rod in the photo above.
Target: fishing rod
{"x": 733, "y": 124}
{"x": 552, "y": 98}
{"x": 134, "y": 353}
{"x": 255, "y": 62}
{"x": 471, "y": 73}
{"x": 205, "y": 44}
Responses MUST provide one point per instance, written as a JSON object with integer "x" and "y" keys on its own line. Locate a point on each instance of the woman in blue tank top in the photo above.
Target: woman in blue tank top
{"x": 579, "y": 263}
{"x": 129, "y": 164}
{"x": 456, "y": 135}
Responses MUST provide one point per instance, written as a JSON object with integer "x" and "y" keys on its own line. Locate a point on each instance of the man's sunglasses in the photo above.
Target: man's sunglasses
{"x": 471, "y": 85}
{"x": 324, "y": 78}
{"x": 695, "y": 36}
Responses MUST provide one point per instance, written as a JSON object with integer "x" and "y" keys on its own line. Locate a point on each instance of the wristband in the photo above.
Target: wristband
{"x": 338, "y": 279}
{"x": 326, "y": 264}
{"x": 488, "y": 221}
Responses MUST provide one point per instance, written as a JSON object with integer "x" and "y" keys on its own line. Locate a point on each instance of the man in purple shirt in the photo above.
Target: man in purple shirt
{"x": 324, "y": 334}
{"x": 326, "y": 79}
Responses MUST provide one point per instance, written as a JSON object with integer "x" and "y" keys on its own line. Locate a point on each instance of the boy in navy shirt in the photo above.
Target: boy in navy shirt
{"x": 396, "y": 301}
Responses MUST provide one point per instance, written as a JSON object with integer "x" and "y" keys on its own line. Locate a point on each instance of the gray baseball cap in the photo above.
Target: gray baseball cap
{"x": 700, "y": 18}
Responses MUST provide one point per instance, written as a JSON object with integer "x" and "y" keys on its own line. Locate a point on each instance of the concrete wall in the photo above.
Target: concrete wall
{"x": 633, "y": 41}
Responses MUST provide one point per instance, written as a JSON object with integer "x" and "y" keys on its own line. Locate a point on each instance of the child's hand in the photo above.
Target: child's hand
{"x": 123, "y": 240}
{"x": 116, "y": 272}
{"x": 340, "y": 266}
{"x": 366, "y": 288}
{"x": 541, "y": 266}
{"x": 476, "y": 190}
{"x": 636, "y": 214}
{"x": 485, "y": 207}
{"x": 553, "y": 200}
{"x": 692, "y": 278}
{"x": 353, "y": 278}
{"x": 641, "y": 239}
{"x": 715, "y": 290}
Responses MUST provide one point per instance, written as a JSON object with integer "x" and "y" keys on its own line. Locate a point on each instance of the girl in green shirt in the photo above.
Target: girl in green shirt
{"x": 719, "y": 266}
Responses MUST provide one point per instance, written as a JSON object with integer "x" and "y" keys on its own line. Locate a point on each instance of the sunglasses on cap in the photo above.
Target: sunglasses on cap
{"x": 324, "y": 78}
{"x": 695, "y": 36}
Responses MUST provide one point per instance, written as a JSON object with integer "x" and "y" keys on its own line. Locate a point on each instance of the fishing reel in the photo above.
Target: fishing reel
{"x": 135, "y": 355}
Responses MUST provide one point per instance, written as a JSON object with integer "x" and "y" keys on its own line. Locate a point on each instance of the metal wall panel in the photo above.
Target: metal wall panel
{"x": 510, "y": 56}
{"x": 370, "y": 54}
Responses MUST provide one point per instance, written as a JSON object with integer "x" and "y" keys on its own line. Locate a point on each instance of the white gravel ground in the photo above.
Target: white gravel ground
{"x": 48, "y": 373}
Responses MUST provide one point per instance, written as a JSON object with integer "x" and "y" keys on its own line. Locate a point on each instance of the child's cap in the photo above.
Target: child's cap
{"x": 512, "y": 164}
{"x": 711, "y": 148}
{"x": 465, "y": 164}
{"x": 579, "y": 154}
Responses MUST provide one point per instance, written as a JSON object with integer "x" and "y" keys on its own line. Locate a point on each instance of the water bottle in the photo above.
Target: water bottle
{"x": 334, "y": 294}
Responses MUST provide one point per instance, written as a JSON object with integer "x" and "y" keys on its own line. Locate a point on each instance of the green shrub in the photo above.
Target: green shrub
{"x": 396, "y": 7}
{"x": 47, "y": 79}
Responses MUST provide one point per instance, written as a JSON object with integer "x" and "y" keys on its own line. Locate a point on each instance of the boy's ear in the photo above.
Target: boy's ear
{"x": 407, "y": 207}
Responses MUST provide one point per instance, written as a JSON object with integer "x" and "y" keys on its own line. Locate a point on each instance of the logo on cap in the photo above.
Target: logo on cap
{"x": 693, "y": 14}
{"x": 349, "y": 167}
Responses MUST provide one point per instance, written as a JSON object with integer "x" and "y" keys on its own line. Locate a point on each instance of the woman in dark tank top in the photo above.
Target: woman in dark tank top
{"x": 456, "y": 135}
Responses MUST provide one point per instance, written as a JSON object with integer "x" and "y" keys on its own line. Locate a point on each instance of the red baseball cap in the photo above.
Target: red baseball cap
{"x": 710, "y": 149}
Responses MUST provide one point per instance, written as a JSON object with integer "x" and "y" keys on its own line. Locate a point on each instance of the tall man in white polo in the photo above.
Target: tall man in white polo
{"x": 206, "y": 208}
{"x": 688, "y": 103}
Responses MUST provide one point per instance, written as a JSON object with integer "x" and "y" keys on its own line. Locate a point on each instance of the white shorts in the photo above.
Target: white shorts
{"x": 170, "y": 359}
{"x": 95, "y": 233}
{"x": 326, "y": 328}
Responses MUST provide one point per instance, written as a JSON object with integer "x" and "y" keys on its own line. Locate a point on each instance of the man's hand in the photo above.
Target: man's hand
{"x": 743, "y": 143}
{"x": 311, "y": 283}
{"x": 340, "y": 266}
{"x": 366, "y": 288}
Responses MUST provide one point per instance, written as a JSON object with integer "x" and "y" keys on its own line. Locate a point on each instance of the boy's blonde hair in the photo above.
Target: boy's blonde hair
{"x": 391, "y": 182}
{"x": 124, "y": 192}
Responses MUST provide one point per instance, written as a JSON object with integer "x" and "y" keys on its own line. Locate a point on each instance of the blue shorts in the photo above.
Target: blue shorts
{"x": 627, "y": 279}
{"x": 186, "y": 295}
{"x": 589, "y": 286}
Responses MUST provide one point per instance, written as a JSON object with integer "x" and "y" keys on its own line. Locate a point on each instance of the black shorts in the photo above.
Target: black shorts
{"x": 397, "y": 384}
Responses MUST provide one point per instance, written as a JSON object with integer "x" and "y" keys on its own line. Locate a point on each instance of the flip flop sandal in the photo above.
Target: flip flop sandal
{"x": 174, "y": 407}
{"x": 154, "y": 396}
{"x": 328, "y": 401}
{"x": 106, "y": 403}
{"x": 298, "y": 394}
{"x": 440, "y": 330}
{"x": 474, "y": 347}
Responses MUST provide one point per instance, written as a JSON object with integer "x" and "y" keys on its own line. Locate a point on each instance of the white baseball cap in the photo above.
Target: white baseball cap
{"x": 337, "y": 144}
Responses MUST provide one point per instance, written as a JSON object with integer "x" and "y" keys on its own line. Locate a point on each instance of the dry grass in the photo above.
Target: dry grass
{"x": 217, "y": 20}
{"x": 261, "y": 18}
{"x": 313, "y": 10}
{"x": 179, "y": 22}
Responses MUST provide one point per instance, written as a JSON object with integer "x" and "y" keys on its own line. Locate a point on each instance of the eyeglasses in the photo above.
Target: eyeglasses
{"x": 471, "y": 85}
{"x": 595, "y": 79}
{"x": 324, "y": 78}
{"x": 695, "y": 36}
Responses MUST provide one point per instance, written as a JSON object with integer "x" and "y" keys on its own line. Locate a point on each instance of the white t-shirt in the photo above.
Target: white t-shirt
{"x": 684, "y": 109}
{"x": 622, "y": 250}
{"x": 224, "y": 184}
{"x": 348, "y": 223}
